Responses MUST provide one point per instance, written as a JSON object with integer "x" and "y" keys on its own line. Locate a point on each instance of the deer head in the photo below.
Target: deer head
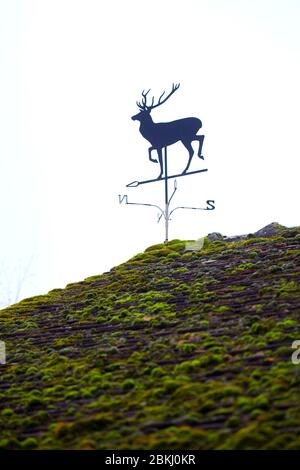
{"x": 145, "y": 109}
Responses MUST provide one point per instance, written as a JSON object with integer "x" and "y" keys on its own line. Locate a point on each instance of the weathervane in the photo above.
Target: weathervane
{"x": 161, "y": 135}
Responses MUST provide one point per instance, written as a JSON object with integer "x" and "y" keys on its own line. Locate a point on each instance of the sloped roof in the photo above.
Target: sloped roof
{"x": 176, "y": 348}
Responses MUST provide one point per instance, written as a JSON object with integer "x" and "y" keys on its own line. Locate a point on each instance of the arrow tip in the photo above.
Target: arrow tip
{"x": 133, "y": 184}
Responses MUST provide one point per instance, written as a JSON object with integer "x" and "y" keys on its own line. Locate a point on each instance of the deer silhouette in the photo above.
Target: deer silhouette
{"x": 162, "y": 134}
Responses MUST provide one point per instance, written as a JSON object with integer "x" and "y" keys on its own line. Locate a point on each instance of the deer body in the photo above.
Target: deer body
{"x": 163, "y": 134}
{"x": 168, "y": 133}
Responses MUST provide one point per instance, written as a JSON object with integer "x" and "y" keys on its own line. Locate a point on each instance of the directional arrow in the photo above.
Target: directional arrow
{"x": 134, "y": 184}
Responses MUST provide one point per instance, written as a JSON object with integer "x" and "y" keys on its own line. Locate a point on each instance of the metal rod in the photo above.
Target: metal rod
{"x": 166, "y": 197}
{"x": 134, "y": 184}
{"x": 193, "y": 208}
{"x": 166, "y": 213}
{"x": 125, "y": 197}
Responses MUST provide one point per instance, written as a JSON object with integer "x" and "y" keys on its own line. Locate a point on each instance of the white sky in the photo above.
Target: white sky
{"x": 70, "y": 74}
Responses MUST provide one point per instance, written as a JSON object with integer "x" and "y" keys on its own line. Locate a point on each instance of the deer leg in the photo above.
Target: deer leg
{"x": 160, "y": 158}
{"x": 200, "y": 139}
{"x": 150, "y": 157}
{"x": 189, "y": 147}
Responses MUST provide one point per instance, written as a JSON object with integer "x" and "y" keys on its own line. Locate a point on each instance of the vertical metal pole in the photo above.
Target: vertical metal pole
{"x": 166, "y": 198}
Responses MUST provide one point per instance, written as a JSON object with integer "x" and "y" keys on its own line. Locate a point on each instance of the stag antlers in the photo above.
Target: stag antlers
{"x": 145, "y": 107}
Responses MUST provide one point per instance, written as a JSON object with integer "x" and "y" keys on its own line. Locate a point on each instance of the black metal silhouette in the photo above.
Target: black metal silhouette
{"x": 162, "y": 134}
{"x": 134, "y": 184}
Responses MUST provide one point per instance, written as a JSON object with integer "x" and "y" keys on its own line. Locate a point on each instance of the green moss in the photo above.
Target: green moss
{"x": 4, "y": 443}
{"x": 233, "y": 422}
{"x": 172, "y": 349}
{"x": 240, "y": 268}
{"x": 237, "y": 288}
{"x": 188, "y": 366}
{"x": 128, "y": 384}
{"x": 7, "y": 412}
{"x": 157, "y": 372}
{"x": 187, "y": 348}
{"x": 29, "y": 443}
{"x": 288, "y": 323}
{"x": 258, "y": 328}
{"x": 246, "y": 438}
{"x": 222, "y": 309}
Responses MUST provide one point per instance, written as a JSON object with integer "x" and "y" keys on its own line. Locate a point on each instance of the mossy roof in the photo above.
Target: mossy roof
{"x": 175, "y": 348}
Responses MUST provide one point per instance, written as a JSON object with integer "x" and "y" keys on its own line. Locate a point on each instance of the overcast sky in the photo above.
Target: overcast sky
{"x": 71, "y": 73}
